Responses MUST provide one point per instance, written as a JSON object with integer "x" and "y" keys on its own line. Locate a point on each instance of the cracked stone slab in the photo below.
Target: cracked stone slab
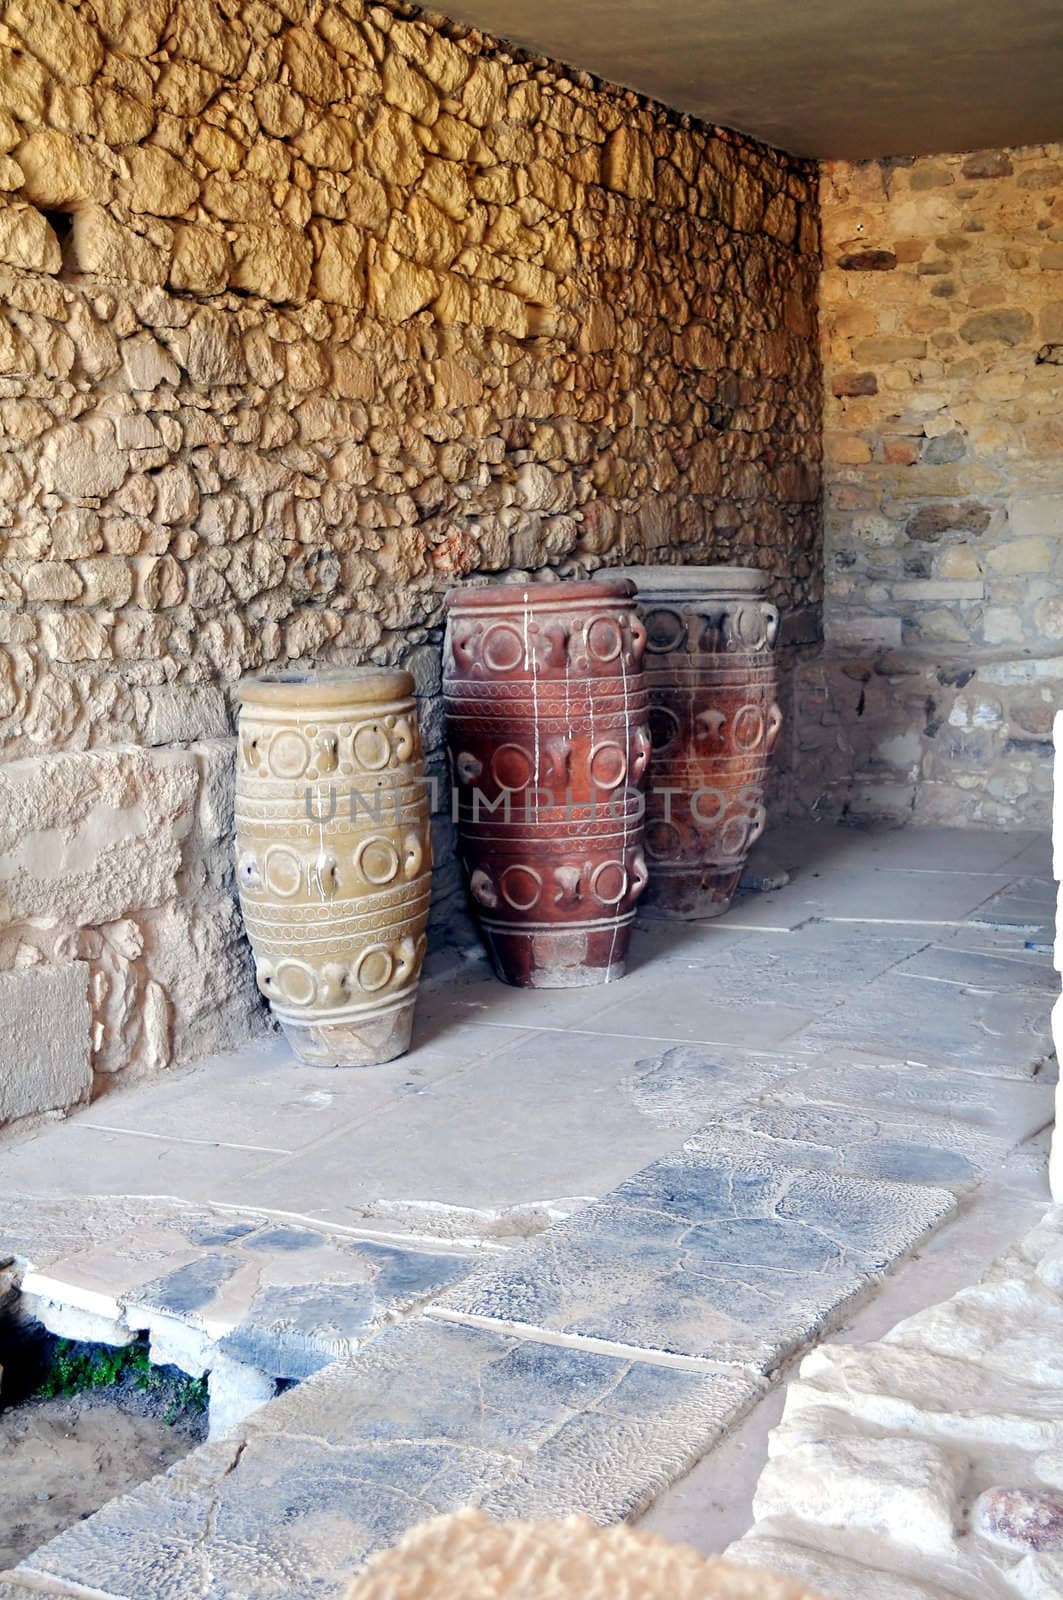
{"x": 1010, "y": 1110}
{"x": 427, "y": 1418}
{"x": 900, "y": 1145}
{"x": 896, "y": 1019}
{"x": 929, "y": 1462}
{"x": 280, "y": 1297}
{"x": 707, "y": 1258}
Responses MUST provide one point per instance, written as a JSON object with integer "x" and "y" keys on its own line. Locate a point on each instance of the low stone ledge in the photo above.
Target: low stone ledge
{"x": 926, "y": 1464}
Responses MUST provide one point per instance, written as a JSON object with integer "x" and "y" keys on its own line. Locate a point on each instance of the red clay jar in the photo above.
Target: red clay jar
{"x": 714, "y": 720}
{"x": 549, "y": 745}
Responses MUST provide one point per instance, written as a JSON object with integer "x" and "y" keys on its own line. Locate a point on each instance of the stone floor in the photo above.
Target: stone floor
{"x": 553, "y": 1257}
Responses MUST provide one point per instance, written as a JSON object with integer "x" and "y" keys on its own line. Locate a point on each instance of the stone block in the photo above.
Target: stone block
{"x": 937, "y": 589}
{"x": 27, "y": 240}
{"x": 68, "y": 1321}
{"x": 851, "y": 631}
{"x": 178, "y": 714}
{"x": 89, "y": 837}
{"x": 1021, "y": 556}
{"x": 101, "y": 245}
{"x": 1037, "y": 516}
{"x": 235, "y": 1391}
{"x": 44, "y": 1040}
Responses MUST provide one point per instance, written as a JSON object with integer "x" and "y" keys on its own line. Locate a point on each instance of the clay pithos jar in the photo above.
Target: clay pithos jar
{"x": 549, "y": 746}
{"x": 714, "y": 720}
{"x": 333, "y": 857}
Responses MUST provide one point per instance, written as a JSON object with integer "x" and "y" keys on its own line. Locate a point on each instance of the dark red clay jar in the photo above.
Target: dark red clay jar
{"x": 712, "y": 682}
{"x": 547, "y": 724}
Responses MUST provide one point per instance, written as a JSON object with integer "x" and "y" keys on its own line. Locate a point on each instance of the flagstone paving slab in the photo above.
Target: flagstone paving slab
{"x": 1012, "y": 1109}
{"x": 858, "y": 888}
{"x": 428, "y": 1418}
{"x": 809, "y": 972}
{"x": 982, "y": 970}
{"x": 686, "y": 1085}
{"x": 703, "y": 1257}
{"x": 897, "y": 1019}
{"x": 898, "y": 1144}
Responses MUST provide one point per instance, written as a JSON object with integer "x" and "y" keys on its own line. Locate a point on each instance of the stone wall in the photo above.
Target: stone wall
{"x": 942, "y": 338}
{"x": 309, "y": 310}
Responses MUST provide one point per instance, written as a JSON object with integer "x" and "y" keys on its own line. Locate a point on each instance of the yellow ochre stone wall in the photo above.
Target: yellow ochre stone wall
{"x": 309, "y": 310}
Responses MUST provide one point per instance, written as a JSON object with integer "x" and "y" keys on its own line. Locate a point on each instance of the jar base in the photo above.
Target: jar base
{"x": 360, "y": 1040}
{"x": 690, "y": 896}
{"x": 558, "y": 958}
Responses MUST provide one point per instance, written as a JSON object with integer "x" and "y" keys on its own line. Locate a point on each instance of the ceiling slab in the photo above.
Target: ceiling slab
{"x": 828, "y": 78}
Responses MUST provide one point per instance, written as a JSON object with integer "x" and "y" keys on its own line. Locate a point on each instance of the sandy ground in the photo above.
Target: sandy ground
{"x": 62, "y": 1459}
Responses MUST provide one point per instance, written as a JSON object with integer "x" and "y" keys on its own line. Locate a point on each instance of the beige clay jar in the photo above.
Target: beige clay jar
{"x": 333, "y": 857}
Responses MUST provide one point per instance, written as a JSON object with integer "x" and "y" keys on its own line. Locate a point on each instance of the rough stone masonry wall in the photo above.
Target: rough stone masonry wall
{"x": 309, "y": 310}
{"x": 942, "y": 337}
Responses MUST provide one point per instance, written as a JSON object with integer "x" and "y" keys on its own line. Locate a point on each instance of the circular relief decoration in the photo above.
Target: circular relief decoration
{"x": 512, "y": 767}
{"x": 665, "y": 630}
{"x": 609, "y": 883}
{"x": 289, "y": 754}
{"x": 283, "y": 871}
{"x": 374, "y": 969}
{"x": 664, "y": 727}
{"x": 733, "y": 836}
{"x": 747, "y": 729}
{"x": 377, "y": 859}
{"x": 608, "y": 765}
{"x": 521, "y": 887}
{"x": 604, "y": 639}
{"x": 372, "y": 747}
{"x": 503, "y": 648}
{"x": 707, "y": 806}
{"x": 663, "y": 840}
{"x": 296, "y": 982}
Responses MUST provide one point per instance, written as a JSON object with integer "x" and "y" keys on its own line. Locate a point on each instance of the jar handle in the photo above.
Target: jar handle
{"x": 760, "y": 821}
